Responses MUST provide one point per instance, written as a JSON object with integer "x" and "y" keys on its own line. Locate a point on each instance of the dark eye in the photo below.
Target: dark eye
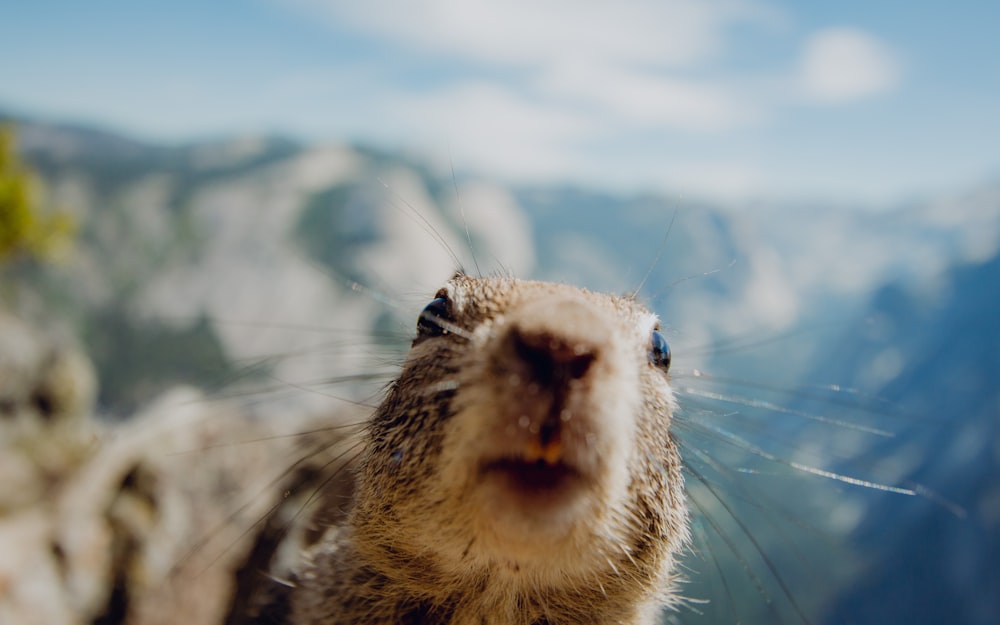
{"x": 659, "y": 351}
{"x": 433, "y": 320}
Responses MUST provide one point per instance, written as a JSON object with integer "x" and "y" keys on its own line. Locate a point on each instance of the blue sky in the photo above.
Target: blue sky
{"x": 872, "y": 101}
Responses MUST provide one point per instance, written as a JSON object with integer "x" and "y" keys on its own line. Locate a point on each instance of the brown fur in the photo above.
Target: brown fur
{"x": 442, "y": 531}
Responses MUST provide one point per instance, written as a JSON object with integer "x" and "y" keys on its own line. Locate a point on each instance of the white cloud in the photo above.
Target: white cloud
{"x": 643, "y": 98}
{"x": 843, "y": 64}
{"x": 769, "y": 295}
{"x": 493, "y": 128}
{"x": 667, "y": 33}
{"x": 569, "y": 89}
{"x": 717, "y": 179}
{"x": 617, "y": 63}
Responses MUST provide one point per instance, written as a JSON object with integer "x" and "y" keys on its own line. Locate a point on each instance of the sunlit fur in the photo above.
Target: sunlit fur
{"x": 431, "y": 540}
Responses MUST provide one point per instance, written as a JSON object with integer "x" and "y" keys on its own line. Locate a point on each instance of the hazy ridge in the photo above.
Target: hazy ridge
{"x": 234, "y": 260}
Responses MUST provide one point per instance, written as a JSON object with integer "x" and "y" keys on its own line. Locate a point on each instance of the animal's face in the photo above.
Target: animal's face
{"x": 528, "y": 433}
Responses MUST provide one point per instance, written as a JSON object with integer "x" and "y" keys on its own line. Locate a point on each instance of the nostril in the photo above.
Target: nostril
{"x": 550, "y": 359}
{"x": 578, "y": 365}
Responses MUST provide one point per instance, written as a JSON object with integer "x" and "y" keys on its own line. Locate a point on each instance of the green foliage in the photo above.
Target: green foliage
{"x": 25, "y": 229}
{"x": 140, "y": 359}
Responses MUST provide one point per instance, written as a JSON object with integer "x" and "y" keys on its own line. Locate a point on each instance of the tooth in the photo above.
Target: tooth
{"x": 534, "y": 451}
{"x": 552, "y": 452}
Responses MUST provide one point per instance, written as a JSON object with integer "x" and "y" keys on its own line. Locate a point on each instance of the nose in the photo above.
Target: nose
{"x": 551, "y": 360}
{"x": 554, "y": 341}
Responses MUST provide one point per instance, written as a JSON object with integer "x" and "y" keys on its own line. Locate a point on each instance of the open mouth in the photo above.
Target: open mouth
{"x": 534, "y": 477}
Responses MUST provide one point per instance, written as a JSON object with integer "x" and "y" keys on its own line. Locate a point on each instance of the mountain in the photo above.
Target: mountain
{"x": 935, "y": 564}
{"x": 843, "y": 344}
{"x": 187, "y": 253}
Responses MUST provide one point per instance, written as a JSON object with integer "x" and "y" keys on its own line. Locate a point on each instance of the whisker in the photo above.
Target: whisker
{"x": 772, "y": 407}
{"x": 264, "y": 439}
{"x": 246, "y": 532}
{"x": 656, "y": 259}
{"x": 283, "y": 388}
{"x": 704, "y": 274}
{"x": 321, "y": 487}
{"x": 768, "y": 562}
{"x": 760, "y": 501}
{"x": 718, "y": 569}
{"x": 465, "y": 222}
{"x": 323, "y": 394}
{"x": 446, "y": 324}
{"x": 743, "y": 343}
{"x": 707, "y": 517}
{"x": 415, "y": 215}
{"x": 199, "y": 544}
{"x": 835, "y": 393}
{"x": 269, "y": 324}
{"x": 847, "y": 479}
{"x": 947, "y": 504}
{"x": 340, "y": 347}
